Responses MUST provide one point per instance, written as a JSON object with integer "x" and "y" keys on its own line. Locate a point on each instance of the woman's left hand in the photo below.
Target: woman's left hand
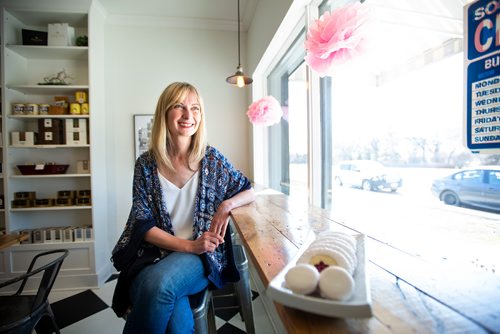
{"x": 220, "y": 220}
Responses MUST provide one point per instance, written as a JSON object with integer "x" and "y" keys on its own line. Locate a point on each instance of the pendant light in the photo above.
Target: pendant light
{"x": 239, "y": 78}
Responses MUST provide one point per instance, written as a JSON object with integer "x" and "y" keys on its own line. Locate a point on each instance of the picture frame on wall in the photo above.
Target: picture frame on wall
{"x": 143, "y": 124}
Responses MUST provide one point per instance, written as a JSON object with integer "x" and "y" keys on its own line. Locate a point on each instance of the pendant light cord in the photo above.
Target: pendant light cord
{"x": 239, "y": 60}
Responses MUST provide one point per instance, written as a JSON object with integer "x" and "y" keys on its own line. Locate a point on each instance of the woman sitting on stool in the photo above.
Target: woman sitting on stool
{"x": 174, "y": 243}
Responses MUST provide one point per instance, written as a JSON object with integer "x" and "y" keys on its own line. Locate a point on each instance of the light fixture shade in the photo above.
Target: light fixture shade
{"x": 239, "y": 78}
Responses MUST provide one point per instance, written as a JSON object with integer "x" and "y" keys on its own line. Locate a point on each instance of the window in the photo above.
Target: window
{"x": 473, "y": 176}
{"x": 494, "y": 178}
{"x": 391, "y": 138}
{"x": 288, "y": 151}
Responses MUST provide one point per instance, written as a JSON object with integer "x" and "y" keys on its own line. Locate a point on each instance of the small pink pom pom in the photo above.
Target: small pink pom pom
{"x": 265, "y": 111}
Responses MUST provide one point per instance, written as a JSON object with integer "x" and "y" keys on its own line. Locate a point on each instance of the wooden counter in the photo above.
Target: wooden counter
{"x": 408, "y": 294}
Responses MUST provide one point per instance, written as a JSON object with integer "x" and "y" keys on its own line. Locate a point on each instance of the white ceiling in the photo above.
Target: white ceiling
{"x": 223, "y": 11}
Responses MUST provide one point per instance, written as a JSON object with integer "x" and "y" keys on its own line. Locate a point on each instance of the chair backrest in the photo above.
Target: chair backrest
{"x": 50, "y": 271}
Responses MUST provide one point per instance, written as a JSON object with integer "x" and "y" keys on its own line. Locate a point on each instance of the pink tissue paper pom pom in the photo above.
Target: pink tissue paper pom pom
{"x": 266, "y": 111}
{"x": 337, "y": 37}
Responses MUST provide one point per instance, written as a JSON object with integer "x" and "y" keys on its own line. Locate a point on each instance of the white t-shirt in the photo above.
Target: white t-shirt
{"x": 180, "y": 204}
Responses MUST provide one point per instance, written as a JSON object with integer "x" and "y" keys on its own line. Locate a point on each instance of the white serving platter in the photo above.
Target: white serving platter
{"x": 358, "y": 306}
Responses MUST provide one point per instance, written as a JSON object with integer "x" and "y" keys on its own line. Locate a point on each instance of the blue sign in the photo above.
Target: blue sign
{"x": 482, "y": 68}
{"x": 483, "y": 37}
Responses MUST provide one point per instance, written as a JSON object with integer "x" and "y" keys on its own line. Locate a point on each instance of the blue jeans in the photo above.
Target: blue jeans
{"x": 159, "y": 295}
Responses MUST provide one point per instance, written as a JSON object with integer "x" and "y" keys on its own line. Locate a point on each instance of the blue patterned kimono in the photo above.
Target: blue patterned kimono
{"x": 219, "y": 180}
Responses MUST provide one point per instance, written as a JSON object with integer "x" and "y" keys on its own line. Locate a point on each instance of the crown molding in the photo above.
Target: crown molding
{"x": 171, "y": 22}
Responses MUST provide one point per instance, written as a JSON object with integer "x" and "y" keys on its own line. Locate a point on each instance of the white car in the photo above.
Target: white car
{"x": 365, "y": 174}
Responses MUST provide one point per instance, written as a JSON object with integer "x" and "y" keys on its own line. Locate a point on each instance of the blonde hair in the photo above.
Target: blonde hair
{"x": 161, "y": 139}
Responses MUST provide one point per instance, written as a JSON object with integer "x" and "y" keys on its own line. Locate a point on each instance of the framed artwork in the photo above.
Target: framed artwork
{"x": 142, "y": 133}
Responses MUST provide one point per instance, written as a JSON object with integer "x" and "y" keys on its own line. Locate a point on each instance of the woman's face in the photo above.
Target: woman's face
{"x": 183, "y": 119}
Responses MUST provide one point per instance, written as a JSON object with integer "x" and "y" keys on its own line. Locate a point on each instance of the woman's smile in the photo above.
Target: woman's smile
{"x": 184, "y": 124}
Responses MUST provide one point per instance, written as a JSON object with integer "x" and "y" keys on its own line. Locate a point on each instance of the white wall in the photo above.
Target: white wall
{"x": 141, "y": 60}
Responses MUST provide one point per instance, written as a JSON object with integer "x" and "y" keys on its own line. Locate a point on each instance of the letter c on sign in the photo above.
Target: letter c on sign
{"x": 485, "y": 24}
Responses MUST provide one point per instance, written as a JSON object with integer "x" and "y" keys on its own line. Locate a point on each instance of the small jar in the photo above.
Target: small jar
{"x": 85, "y": 108}
{"x": 43, "y": 109}
{"x": 81, "y": 97}
{"x": 74, "y": 109}
{"x": 31, "y": 109}
{"x": 18, "y": 108}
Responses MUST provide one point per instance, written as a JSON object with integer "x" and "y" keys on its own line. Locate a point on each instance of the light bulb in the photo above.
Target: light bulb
{"x": 240, "y": 81}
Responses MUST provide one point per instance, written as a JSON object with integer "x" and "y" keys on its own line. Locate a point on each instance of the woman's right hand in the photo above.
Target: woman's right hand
{"x": 207, "y": 242}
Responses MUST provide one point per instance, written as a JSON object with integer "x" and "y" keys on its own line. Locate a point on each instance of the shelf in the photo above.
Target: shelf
{"x": 49, "y": 146}
{"x": 42, "y": 18}
{"x": 47, "y": 89}
{"x": 47, "y": 116}
{"x": 52, "y": 245}
{"x": 20, "y": 176}
{"x": 52, "y": 208}
{"x": 50, "y": 52}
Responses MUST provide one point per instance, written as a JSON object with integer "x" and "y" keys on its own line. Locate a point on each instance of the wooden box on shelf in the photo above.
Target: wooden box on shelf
{"x": 50, "y": 131}
{"x": 23, "y": 138}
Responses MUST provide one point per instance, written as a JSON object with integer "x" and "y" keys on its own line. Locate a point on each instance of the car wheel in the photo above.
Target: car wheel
{"x": 393, "y": 190}
{"x": 338, "y": 181}
{"x": 450, "y": 198}
{"x": 366, "y": 185}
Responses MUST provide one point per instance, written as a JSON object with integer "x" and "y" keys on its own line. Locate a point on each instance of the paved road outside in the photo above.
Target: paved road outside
{"x": 413, "y": 220}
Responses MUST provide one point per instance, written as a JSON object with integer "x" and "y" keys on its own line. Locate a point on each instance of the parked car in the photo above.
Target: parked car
{"x": 475, "y": 186}
{"x": 366, "y": 174}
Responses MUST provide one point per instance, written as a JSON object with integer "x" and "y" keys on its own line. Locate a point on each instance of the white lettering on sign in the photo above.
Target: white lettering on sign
{"x": 490, "y": 8}
{"x": 492, "y": 62}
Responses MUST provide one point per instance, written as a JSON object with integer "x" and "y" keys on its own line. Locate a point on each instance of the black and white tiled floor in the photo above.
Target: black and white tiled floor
{"x": 89, "y": 311}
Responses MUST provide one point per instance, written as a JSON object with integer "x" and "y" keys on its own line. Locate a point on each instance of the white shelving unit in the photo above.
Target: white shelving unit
{"x": 2, "y": 210}
{"x": 23, "y": 70}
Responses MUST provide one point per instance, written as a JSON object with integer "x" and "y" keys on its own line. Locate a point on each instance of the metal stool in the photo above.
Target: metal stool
{"x": 242, "y": 288}
{"x": 203, "y": 312}
{"x": 240, "y": 291}
{"x": 202, "y": 304}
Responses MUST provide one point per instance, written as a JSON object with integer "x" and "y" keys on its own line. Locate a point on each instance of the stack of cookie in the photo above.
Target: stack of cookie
{"x": 327, "y": 265}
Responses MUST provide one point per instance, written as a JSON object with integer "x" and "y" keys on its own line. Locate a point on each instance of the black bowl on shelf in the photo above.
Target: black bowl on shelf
{"x": 42, "y": 169}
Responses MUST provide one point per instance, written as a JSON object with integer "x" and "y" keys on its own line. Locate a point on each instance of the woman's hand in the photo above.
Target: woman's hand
{"x": 220, "y": 220}
{"x": 207, "y": 242}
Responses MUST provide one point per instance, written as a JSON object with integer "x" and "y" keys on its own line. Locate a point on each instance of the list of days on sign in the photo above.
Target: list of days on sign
{"x": 482, "y": 72}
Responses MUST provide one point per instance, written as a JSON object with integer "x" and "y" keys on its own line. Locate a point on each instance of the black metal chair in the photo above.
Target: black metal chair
{"x": 20, "y": 313}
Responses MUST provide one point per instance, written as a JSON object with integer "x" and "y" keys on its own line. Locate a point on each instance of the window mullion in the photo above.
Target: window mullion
{"x": 314, "y": 124}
